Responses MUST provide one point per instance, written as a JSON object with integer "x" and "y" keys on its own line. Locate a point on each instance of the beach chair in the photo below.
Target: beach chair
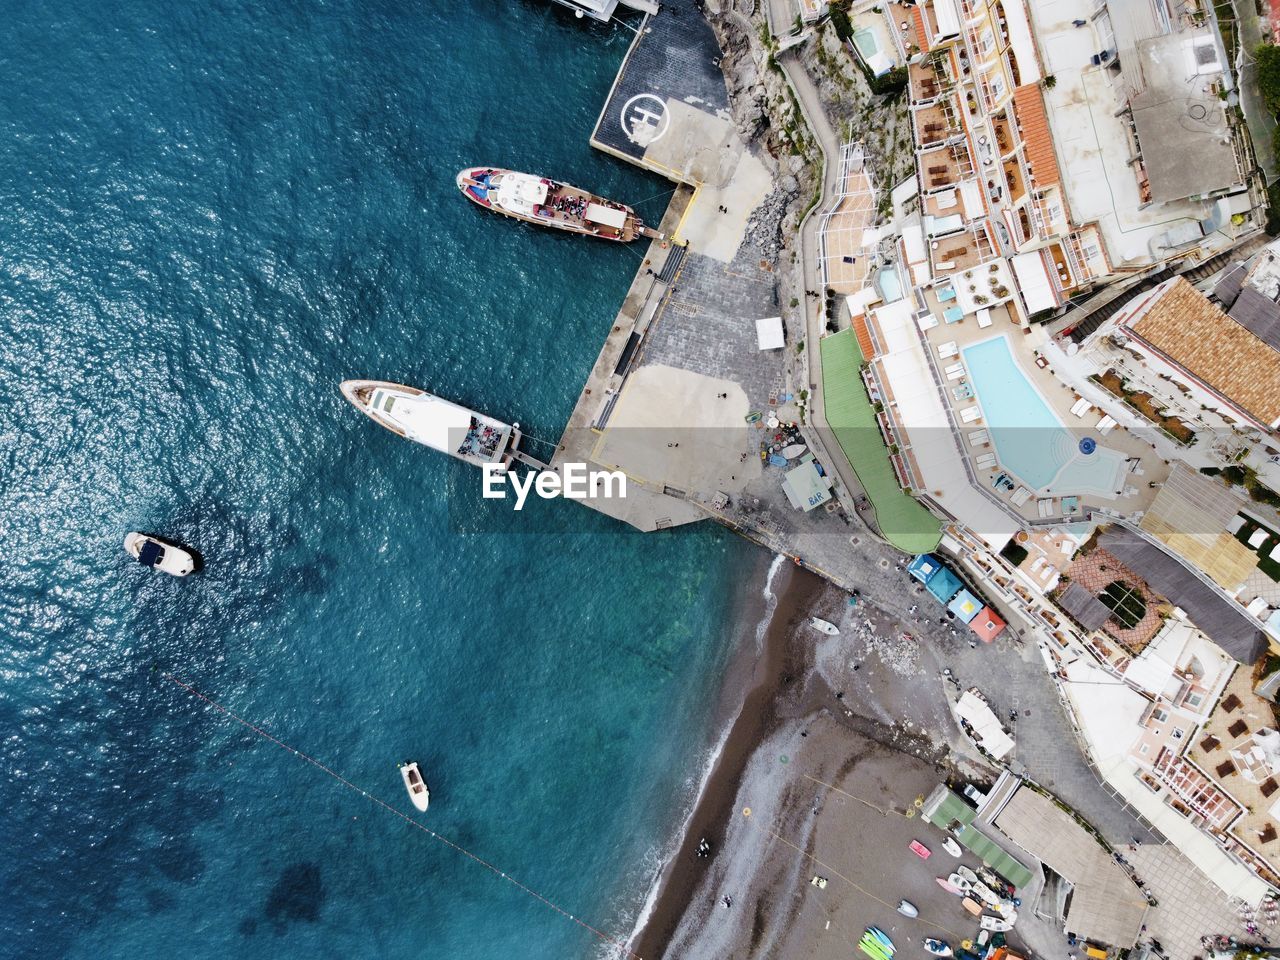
{"x": 948, "y": 350}
{"x": 926, "y": 321}
{"x": 1020, "y": 496}
{"x": 1081, "y": 407}
{"x": 955, "y": 371}
{"x": 970, "y": 414}
{"x": 1106, "y": 425}
{"x": 977, "y": 438}
{"x": 984, "y": 318}
{"x": 986, "y": 461}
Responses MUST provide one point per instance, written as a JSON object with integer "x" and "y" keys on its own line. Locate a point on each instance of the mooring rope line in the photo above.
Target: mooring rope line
{"x": 607, "y": 938}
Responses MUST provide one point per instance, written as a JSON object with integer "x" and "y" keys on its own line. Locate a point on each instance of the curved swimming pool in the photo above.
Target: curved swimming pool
{"x": 1030, "y": 440}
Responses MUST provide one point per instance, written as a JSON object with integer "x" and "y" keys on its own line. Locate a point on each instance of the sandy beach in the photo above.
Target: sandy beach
{"x": 830, "y": 779}
{"x": 766, "y": 674}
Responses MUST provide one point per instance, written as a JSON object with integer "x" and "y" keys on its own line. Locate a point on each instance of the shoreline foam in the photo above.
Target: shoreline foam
{"x": 725, "y": 726}
{"x": 755, "y": 681}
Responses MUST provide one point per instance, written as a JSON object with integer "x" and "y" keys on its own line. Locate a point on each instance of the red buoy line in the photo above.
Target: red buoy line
{"x": 403, "y": 816}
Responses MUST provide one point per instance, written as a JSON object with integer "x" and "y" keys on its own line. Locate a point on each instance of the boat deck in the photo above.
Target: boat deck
{"x": 568, "y": 204}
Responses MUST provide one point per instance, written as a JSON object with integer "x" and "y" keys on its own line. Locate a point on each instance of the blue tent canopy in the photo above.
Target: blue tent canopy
{"x": 965, "y": 606}
{"x": 944, "y": 585}
{"x": 924, "y": 567}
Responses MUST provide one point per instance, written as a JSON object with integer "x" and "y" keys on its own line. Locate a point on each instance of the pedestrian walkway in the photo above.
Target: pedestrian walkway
{"x": 1189, "y": 906}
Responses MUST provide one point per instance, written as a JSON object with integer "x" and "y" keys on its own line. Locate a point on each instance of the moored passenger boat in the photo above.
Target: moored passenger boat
{"x": 434, "y": 422}
{"x": 550, "y": 203}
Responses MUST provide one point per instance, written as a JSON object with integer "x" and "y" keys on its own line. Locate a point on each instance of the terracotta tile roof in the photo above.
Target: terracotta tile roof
{"x": 1192, "y": 332}
{"x": 1028, "y": 104}
{"x": 859, "y": 324}
{"x": 922, "y": 35}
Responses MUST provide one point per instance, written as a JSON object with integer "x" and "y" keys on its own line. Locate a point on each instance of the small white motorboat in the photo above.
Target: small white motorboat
{"x": 952, "y": 846}
{"x": 995, "y": 924}
{"x": 907, "y": 908}
{"x": 939, "y": 948}
{"x": 155, "y": 553}
{"x": 416, "y": 786}
{"x": 824, "y": 626}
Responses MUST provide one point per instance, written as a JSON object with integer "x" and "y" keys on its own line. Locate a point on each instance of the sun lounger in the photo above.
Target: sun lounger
{"x": 1105, "y": 425}
{"x": 984, "y": 318}
{"x": 987, "y": 461}
{"x": 947, "y": 350}
{"x": 970, "y": 414}
{"x": 1044, "y": 508}
{"x": 926, "y": 321}
{"x": 1020, "y": 496}
{"x": 1036, "y": 564}
{"x": 977, "y": 438}
{"x": 1081, "y": 407}
{"x": 954, "y": 372}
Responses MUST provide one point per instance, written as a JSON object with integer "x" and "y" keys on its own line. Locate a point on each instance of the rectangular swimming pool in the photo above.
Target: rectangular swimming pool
{"x": 1030, "y": 441}
{"x": 890, "y": 284}
{"x": 865, "y": 41}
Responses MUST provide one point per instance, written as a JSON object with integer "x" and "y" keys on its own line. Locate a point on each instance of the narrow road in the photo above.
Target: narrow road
{"x": 806, "y": 94}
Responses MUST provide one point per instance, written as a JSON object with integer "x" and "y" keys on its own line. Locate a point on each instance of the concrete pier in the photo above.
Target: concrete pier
{"x": 681, "y": 395}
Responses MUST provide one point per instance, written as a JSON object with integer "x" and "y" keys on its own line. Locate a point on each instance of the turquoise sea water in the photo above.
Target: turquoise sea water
{"x": 209, "y": 215}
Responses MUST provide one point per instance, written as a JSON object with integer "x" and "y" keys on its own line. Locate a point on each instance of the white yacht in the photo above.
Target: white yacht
{"x": 155, "y": 553}
{"x": 416, "y": 786}
{"x": 601, "y": 10}
{"x": 433, "y": 422}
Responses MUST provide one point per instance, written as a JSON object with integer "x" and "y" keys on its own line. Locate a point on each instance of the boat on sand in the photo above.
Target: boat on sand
{"x": 824, "y": 626}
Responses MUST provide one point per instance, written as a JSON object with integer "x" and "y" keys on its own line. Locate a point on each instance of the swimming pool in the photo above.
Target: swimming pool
{"x": 865, "y": 41}
{"x": 1030, "y": 440}
{"x": 890, "y": 284}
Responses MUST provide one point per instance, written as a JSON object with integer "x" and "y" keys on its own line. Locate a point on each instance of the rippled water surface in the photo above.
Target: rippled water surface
{"x": 209, "y": 215}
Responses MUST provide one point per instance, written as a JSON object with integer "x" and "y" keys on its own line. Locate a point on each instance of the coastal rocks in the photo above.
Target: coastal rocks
{"x": 880, "y": 121}
{"x": 765, "y": 228}
{"x": 900, "y": 653}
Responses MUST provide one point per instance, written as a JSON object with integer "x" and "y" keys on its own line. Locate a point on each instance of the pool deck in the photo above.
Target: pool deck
{"x": 1026, "y": 344}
